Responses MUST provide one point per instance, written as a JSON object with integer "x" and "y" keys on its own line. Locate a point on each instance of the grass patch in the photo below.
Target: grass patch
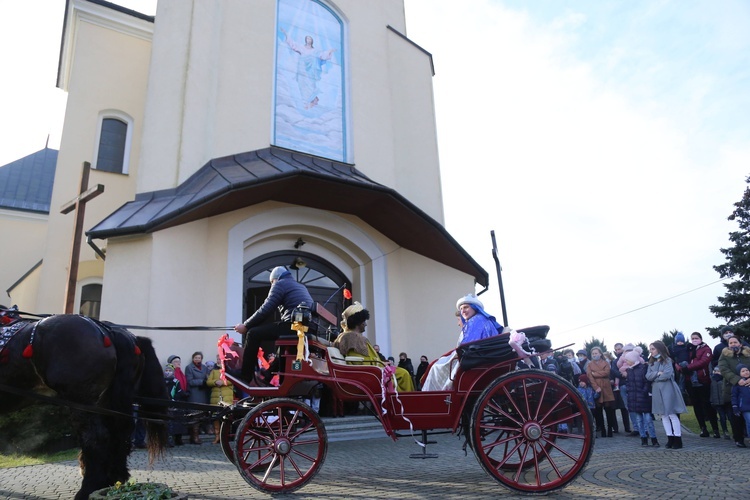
{"x": 688, "y": 420}
{"x": 17, "y": 460}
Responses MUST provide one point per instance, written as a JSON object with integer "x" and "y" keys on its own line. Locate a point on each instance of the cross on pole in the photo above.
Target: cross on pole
{"x": 78, "y": 204}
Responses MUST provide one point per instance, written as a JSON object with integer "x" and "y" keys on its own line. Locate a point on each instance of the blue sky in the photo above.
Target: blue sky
{"x": 604, "y": 142}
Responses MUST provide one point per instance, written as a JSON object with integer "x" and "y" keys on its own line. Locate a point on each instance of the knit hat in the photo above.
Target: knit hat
{"x": 583, "y": 378}
{"x": 739, "y": 368}
{"x": 210, "y": 365}
{"x": 679, "y": 337}
{"x": 169, "y": 366}
{"x": 469, "y": 299}
{"x": 633, "y": 356}
{"x": 628, "y": 347}
{"x": 583, "y": 351}
{"x": 172, "y": 358}
{"x": 278, "y": 272}
{"x": 354, "y": 315}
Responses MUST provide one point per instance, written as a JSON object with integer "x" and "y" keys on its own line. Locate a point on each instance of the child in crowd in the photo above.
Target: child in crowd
{"x": 175, "y": 429}
{"x": 717, "y": 400}
{"x": 588, "y": 394}
{"x": 741, "y": 396}
{"x": 639, "y": 397}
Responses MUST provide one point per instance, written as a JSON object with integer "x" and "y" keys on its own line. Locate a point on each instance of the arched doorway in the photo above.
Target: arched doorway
{"x": 324, "y": 281}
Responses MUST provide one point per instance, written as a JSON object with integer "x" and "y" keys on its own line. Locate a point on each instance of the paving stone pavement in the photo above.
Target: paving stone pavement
{"x": 379, "y": 468}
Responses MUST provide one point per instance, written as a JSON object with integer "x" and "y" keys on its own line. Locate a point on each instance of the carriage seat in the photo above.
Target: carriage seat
{"x": 496, "y": 349}
{"x": 337, "y": 358}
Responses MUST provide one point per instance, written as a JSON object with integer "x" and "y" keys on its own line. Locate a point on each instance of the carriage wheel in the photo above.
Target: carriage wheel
{"x": 517, "y": 430}
{"x": 280, "y": 445}
{"x": 229, "y": 424}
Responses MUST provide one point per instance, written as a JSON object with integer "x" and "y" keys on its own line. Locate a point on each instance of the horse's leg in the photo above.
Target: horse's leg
{"x": 95, "y": 450}
{"x": 121, "y": 430}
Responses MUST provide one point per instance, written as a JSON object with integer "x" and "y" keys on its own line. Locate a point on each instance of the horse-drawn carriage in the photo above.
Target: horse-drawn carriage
{"x": 529, "y": 429}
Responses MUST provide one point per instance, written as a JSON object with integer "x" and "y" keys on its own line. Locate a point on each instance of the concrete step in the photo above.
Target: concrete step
{"x": 353, "y": 427}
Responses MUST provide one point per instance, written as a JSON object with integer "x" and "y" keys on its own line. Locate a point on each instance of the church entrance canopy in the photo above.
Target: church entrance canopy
{"x": 276, "y": 174}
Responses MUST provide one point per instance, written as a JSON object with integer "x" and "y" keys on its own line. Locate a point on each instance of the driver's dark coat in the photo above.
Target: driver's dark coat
{"x": 285, "y": 294}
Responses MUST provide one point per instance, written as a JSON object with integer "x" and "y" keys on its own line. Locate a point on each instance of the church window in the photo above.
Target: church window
{"x": 113, "y": 143}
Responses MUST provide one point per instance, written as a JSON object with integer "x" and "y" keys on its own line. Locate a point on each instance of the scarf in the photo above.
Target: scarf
{"x": 180, "y": 378}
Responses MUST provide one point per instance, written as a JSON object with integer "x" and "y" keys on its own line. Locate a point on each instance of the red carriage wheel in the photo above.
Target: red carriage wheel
{"x": 280, "y": 445}
{"x": 229, "y": 424}
{"x": 531, "y": 431}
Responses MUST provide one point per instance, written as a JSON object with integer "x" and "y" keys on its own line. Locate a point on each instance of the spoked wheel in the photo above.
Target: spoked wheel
{"x": 229, "y": 424}
{"x": 280, "y": 445}
{"x": 531, "y": 431}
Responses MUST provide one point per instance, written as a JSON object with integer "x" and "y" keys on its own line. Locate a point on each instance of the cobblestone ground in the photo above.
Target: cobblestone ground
{"x": 380, "y": 468}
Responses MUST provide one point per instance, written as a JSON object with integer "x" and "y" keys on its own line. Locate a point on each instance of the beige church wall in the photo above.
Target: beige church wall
{"x": 211, "y": 89}
{"x": 24, "y": 294}
{"x": 415, "y": 135}
{"x": 104, "y": 70}
{"x": 19, "y": 259}
{"x": 422, "y": 303}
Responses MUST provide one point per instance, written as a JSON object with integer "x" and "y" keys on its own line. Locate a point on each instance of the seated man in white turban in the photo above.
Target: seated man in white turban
{"x": 476, "y": 324}
{"x": 352, "y": 342}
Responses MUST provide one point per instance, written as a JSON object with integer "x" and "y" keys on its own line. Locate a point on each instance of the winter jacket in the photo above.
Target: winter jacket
{"x": 598, "y": 373}
{"x": 717, "y": 392}
{"x": 219, "y": 393}
{"x": 285, "y": 294}
{"x": 728, "y": 362}
{"x": 196, "y": 379}
{"x": 588, "y": 395}
{"x": 741, "y": 398}
{"x": 406, "y": 365}
{"x": 639, "y": 389}
{"x": 666, "y": 397}
{"x": 700, "y": 362}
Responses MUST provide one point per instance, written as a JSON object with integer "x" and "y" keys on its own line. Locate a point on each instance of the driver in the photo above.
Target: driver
{"x": 286, "y": 293}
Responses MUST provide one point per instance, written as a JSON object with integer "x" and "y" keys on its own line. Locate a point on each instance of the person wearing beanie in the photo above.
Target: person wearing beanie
{"x": 353, "y": 343}
{"x": 286, "y": 294}
{"x": 666, "y": 397}
{"x": 698, "y": 383}
{"x": 175, "y": 427}
{"x": 639, "y": 400}
{"x": 678, "y": 351}
{"x": 622, "y": 370}
{"x": 476, "y": 324}
{"x": 741, "y": 396}
{"x": 583, "y": 359}
{"x": 732, "y": 357}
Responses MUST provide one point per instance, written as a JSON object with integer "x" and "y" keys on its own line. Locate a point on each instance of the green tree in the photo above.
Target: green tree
{"x": 594, "y": 342}
{"x": 734, "y": 306}
{"x": 668, "y": 337}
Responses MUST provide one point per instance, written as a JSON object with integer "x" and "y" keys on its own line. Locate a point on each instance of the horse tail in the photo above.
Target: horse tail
{"x": 152, "y": 386}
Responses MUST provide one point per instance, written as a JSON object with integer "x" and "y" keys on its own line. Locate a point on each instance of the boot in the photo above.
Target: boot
{"x": 609, "y": 433}
{"x": 677, "y": 443}
{"x": 178, "y": 440}
{"x": 655, "y": 442}
{"x": 704, "y": 432}
{"x": 194, "y": 437}
{"x": 217, "y": 429}
{"x": 716, "y": 434}
{"x": 726, "y": 435}
{"x": 644, "y": 441}
{"x": 670, "y": 442}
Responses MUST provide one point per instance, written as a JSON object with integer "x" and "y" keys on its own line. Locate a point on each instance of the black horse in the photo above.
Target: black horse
{"x": 98, "y": 369}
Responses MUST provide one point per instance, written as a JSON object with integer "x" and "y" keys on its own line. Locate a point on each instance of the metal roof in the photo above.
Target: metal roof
{"x": 26, "y": 184}
{"x": 245, "y": 179}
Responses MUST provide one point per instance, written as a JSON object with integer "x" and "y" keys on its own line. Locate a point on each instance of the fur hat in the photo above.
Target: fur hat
{"x": 172, "y": 358}
{"x": 469, "y": 299}
{"x": 628, "y": 347}
{"x": 583, "y": 378}
{"x": 278, "y": 272}
{"x": 354, "y": 315}
{"x": 679, "y": 337}
{"x": 634, "y": 355}
{"x": 739, "y": 368}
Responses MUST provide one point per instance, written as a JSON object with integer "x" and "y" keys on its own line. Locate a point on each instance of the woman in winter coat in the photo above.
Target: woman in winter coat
{"x": 597, "y": 370}
{"x": 196, "y": 374}
{"x": 698, "y": 383}
{"x": 222, "y": 392}
{"x": 734, "y": 354}
{"x": 639, "y": 395}
{"x": 666, "y": 397}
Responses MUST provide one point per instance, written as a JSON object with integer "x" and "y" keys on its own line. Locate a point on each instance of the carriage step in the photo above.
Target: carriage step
{"x": 353, "y": 428}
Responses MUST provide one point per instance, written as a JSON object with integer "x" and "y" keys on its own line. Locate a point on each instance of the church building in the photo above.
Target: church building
{"x": 233, "y": 136}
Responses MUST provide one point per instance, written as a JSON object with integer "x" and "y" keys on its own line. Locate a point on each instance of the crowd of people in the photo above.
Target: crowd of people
{"x": 640, "y": 385}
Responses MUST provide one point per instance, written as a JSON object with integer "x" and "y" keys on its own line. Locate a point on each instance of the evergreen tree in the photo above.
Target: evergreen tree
{"x": 734, "y": 306}
{"x": 594, "y": 342}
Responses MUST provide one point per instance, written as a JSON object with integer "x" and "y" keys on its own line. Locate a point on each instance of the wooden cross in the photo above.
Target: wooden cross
{"x": 79, "y": 205}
